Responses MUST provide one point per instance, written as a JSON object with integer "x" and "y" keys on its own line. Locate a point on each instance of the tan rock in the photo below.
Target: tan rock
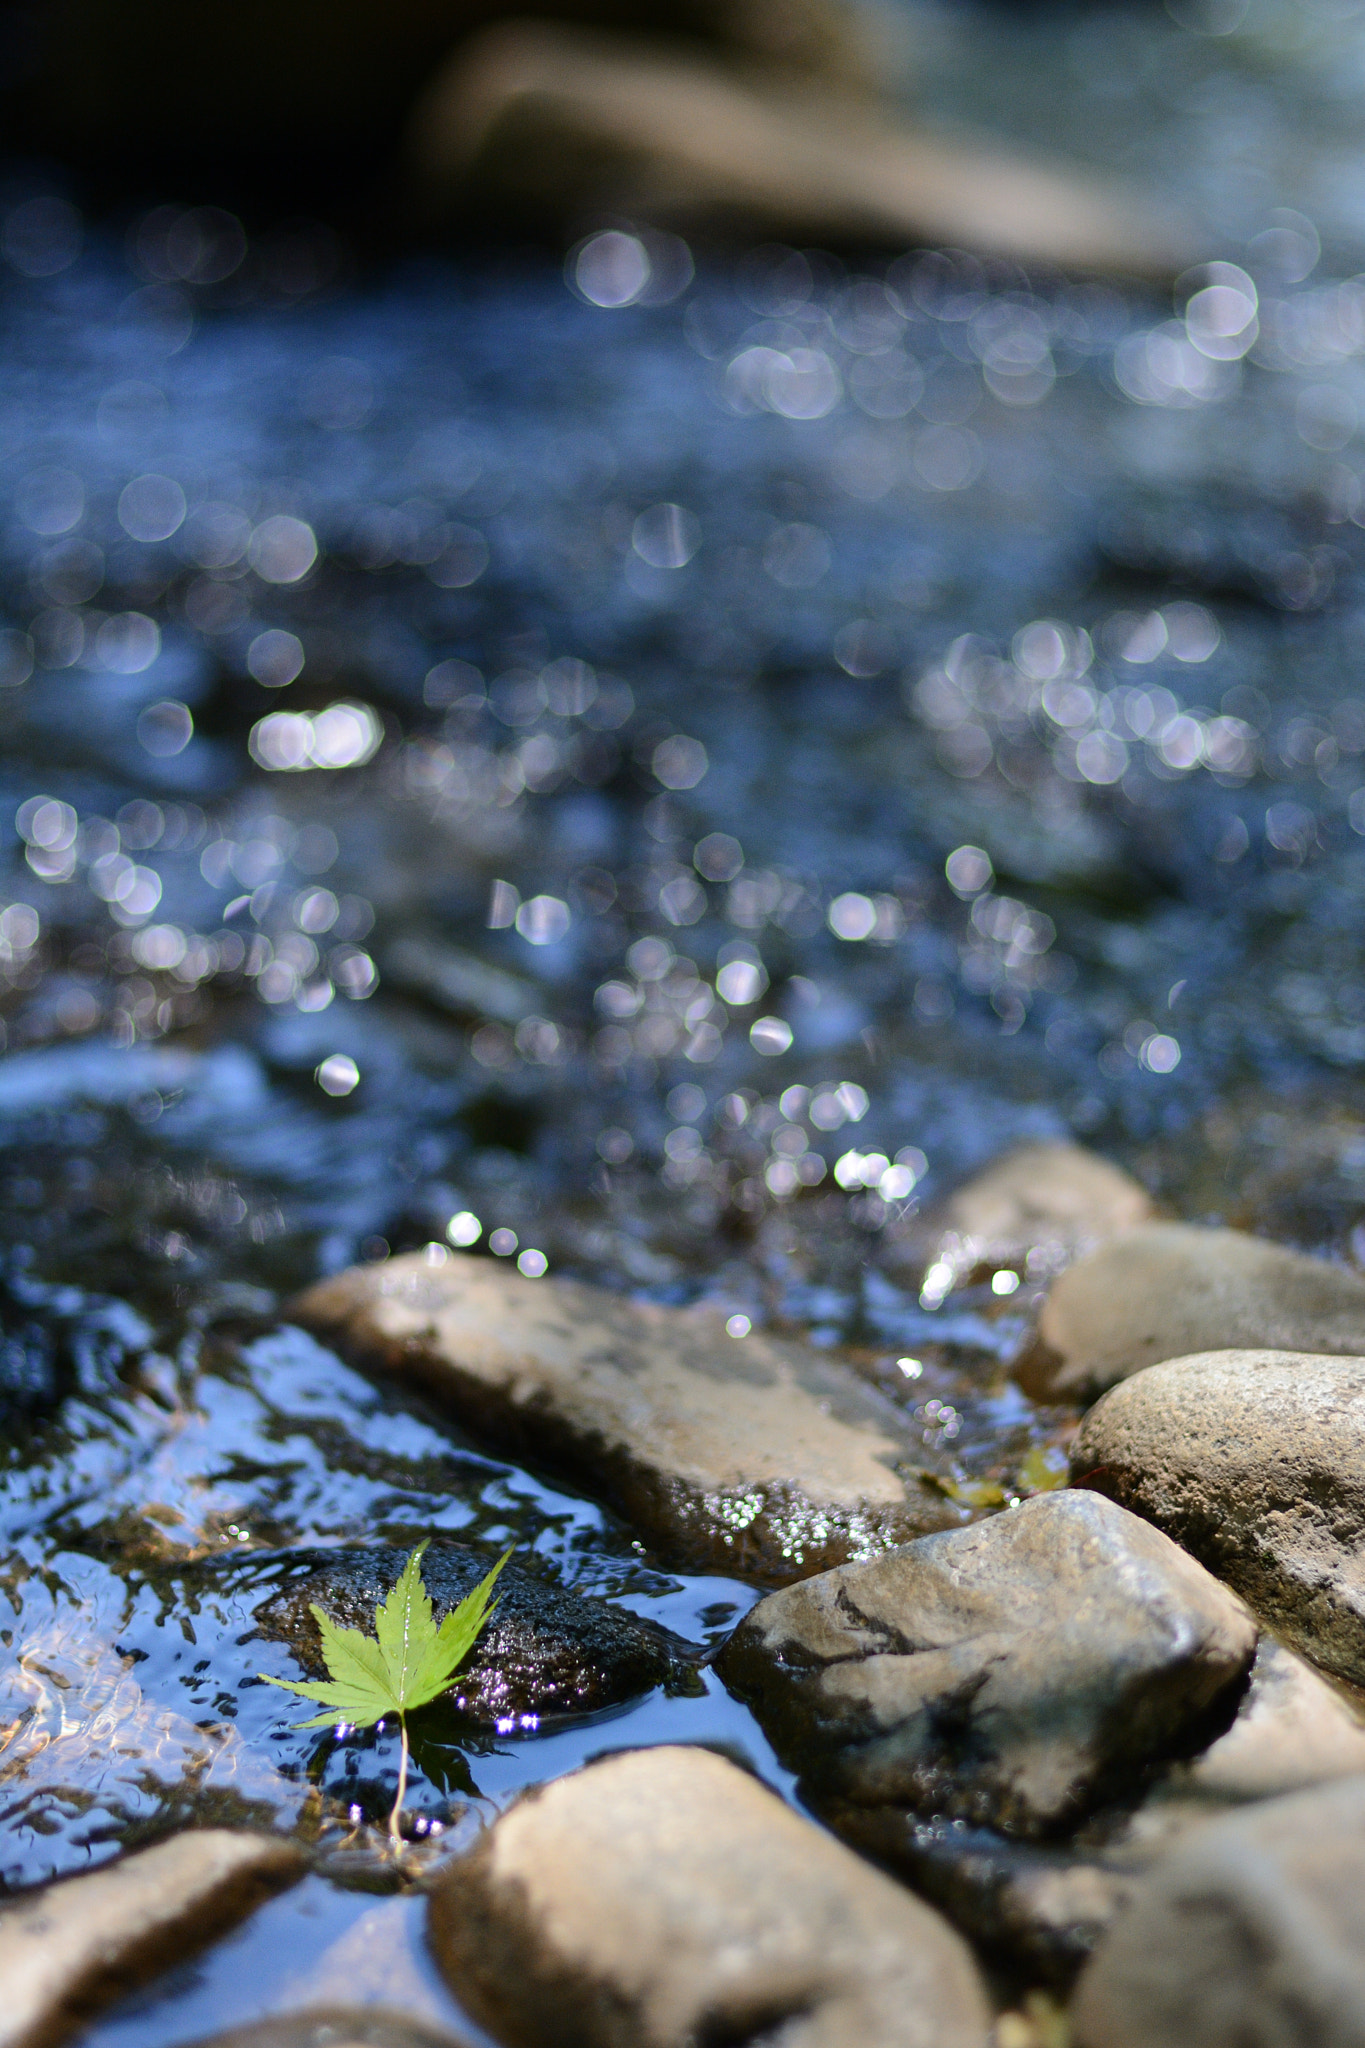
{"x": 752, "y": 1456}
{"x": 1035, "y": 1209}
{"x": 87, "y": 1940}
{"x": 1253, "y": 1461}
{"x": 665, "y": 1897}
{"x": 1252, "y": 1931}
{"x": 1292, "y": 1730}
{"x": 530, "y": 110}
{"x": 1171, "y": 1289}
{"x": 1011, "y": 1673}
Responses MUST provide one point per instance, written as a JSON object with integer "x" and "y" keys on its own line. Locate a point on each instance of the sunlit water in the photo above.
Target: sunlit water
{"x": 658, "y": 792}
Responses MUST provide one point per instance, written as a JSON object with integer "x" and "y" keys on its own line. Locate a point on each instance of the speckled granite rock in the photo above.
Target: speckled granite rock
{"x": 665, "y": 1897}
{"x": 1252, "y": 1931}
{"x": 1009, "y": 1673}
{"x": 78, "y": 1944}
{"x": 1254, "y": 1461}
{"x": 545, "y": 1652}
{"x": 768, "y": 1459}
{"x": 1171, "y": 1289}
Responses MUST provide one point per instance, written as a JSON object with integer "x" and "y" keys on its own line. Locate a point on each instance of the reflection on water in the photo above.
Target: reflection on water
{"x": 650, "y": 783}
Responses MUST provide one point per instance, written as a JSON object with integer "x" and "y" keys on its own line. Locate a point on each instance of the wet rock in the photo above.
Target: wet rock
{"x": 545, "y": 1652}
{"x": 1170, "y": 1289}
{"x": 1251, "y": 1930}
{"x": 1035, "y": 1909}
{"x": 1254, "y": 1461}
{"x": 335, "y": 2027}
{"x": 665, "y": 1896}
{"x": 755, "y": 1456}
{"x": 1010, "y": 1673}
{"x": 1041, "y": 1909}
{"x": 78, "y": 1944}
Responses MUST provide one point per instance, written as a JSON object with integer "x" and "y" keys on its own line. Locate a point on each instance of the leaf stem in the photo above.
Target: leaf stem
{"x": 402, "y": 1785}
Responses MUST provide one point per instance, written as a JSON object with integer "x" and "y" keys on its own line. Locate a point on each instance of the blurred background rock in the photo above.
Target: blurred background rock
{"x": 788, "y": 117}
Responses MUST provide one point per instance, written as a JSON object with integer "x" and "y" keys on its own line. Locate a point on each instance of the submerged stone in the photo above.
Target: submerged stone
{"x": 1013, "y": 1673}
{"x": 1254, "y": 1461}
{"x": 1251, "y": 1930}
{"x": 665, "y": 1896}
{"x": 546, "y": 1651}
{"x": 77, "y": 1945}
{"x": 1171, "y": 1289}
{"x": 748, "y": 1456}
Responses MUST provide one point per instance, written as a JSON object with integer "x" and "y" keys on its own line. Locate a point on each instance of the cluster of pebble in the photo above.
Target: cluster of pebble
{"x": 1107, "y": 1737}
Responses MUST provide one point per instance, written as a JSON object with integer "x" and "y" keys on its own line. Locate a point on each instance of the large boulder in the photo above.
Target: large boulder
{"x": 1170, "y": 1289}
{"x": 738, "y": 1455}
{"x": 666, "y": 1897}
{"x": 76, "y": 1945}
{"x": 545, "y": 1652}
{"x": 1250, "y": 1934}
{"x": 1253, "y": 1461}
{"x": 1011, "y": 1673}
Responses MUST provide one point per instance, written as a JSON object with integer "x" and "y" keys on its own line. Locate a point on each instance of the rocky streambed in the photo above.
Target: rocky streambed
{"x": 714, "y": 939}
{"x": 1075, "y": 1754}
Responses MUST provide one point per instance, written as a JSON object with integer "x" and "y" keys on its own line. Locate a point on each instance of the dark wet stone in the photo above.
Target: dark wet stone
{"x": 1013, "y": 1674}
{"x": 758, "y": 1457}
{"x": 545, "y": 1652}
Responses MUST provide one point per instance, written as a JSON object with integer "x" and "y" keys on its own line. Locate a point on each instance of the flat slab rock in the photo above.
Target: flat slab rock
{"x": 76, "y": 1945}
{"x": 1251, "y": 1931}
{"x": 1253, "y": 1461}
{"x": 750, "y": 1457}
{"x": 665, "y": 1897}
{"x": 1012, "y": 1673}
{"x": 546, "y": 1652}
{"x": 1171, "y": 1289}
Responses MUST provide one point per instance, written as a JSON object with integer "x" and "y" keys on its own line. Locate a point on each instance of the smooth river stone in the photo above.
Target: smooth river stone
{"x": 1253, "y": 1461}
{"x": 1044, "y": 1196}
{"x": 665, "y": 1897}
{"x": 752, "y": 1457}
{"x": 1170, "y": 1289}
{"x": 1009, "y": 1674}
{"x": 1250, "y": 1934}
{"x": 75, "y": 1946}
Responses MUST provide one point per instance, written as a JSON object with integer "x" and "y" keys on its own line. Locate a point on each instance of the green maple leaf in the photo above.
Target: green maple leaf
{"x": 407, "y": 1662}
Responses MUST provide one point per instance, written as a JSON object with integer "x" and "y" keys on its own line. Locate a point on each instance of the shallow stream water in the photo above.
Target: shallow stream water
{"x": 660, "y": 792}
